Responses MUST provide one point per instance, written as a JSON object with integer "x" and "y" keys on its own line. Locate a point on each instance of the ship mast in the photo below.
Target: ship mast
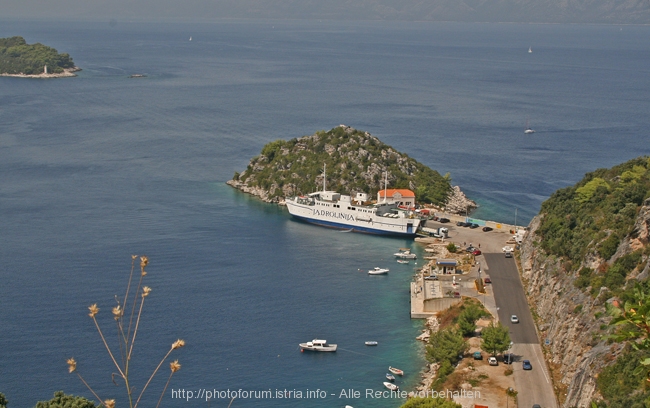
{"x": 385, "y": 184}
{"x": 324, "y": 167}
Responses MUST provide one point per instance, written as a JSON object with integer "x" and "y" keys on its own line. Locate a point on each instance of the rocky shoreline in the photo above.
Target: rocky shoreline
{"x": 67, "y": 73}
{"x": 431, "y": 369}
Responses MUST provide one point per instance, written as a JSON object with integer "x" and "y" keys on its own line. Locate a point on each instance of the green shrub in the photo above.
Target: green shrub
{"x": 62, "y": 400}
{"x": 608, "y": 247}
{"x": 622, "y": 384}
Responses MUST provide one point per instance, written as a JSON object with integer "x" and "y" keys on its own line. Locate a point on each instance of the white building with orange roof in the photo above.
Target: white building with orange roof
{"x": 400, "y": 196}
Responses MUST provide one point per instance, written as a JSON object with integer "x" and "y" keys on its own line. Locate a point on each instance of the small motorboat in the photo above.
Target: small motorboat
{"x": 390, "y": 377}
{"x": 378, "y": 271}
{"x": 395, "y": 371}
{"x": 391, "y": 386}
{"x": 403, "y": 261}
{"x": 371, "y": 343}
{"x": 317, "y": 345}
{"x": 405, "y": 255}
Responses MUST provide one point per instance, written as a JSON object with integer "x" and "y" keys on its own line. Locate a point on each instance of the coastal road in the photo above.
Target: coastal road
{"x": 533, "y": 386}
{"x": 510, "y": 298}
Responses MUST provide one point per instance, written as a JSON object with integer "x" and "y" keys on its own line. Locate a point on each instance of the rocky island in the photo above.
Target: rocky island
{"x": 19, "y": 59}
{"x": 355, "y": 161}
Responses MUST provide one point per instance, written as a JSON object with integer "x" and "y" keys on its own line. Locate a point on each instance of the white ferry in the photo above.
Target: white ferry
{"x": 331, "y": 209}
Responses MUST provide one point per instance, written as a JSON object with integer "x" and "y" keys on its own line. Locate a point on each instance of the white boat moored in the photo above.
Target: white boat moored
{"x": 395, "y": 371}
{"x": 371, "y": 343}
{"x": 391, "y": 386}
{"x": 317, "y": 345}
{"x": 405, "y": 255}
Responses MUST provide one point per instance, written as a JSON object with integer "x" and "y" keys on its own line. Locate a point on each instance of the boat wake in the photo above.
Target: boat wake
{"x": 356, "y": 352}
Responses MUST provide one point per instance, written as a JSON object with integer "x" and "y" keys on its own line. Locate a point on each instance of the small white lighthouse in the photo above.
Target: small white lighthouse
{"x": 45, "y": 70}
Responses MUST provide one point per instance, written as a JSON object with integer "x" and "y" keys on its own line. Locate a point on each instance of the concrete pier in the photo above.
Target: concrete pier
{"x": 428, "y": 297}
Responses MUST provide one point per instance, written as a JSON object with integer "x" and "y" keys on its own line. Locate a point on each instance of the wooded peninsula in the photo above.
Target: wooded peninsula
{"x": 17, "y": 58}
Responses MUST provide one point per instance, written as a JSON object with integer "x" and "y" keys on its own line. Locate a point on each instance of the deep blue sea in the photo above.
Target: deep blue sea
{"x": 99, "y": 167}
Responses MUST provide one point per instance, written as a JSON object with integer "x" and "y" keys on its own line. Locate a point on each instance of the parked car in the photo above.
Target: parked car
{"x": 460, "y": 224}
{"x": 493, "y": 361}
{"x": 514, "y": 319}
{"x": 508, "y": 358}
{"x": 476, "y": 252}
{"x": 487, "y": 229}
{"x": 470, "y": 249}
{"x": 508, "y": 254}
{"x": 456, "y": 294}
{"x": 431, "y": 277}
{"x": 472, "y": 226}
{"x": 487, "y": 280}
{"x": 443, "y": 220}
{"x": 537, "y": 406}
{"x": 526, "y": 365}
{"x": 477, "y": 355}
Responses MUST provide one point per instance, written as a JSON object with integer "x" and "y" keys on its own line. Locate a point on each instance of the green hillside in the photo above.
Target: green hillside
{"x": 594, "y": 216}
{"x": 597, "y": 231}
{"x": 355, "y": 161}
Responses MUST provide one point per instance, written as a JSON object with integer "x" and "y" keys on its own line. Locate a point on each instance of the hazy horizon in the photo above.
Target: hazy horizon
{"x": 507, "y": 11}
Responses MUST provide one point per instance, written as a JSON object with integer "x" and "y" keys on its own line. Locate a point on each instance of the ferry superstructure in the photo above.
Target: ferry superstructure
{"x": 334, "y": 210}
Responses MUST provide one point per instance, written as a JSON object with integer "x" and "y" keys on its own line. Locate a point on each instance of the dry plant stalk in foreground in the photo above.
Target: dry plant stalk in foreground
{"x": 127, "y": 334}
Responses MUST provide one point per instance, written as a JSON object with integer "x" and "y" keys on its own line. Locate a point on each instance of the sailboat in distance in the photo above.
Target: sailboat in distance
{"x": 528, "y": 130}
{"x": 530, "y": 50}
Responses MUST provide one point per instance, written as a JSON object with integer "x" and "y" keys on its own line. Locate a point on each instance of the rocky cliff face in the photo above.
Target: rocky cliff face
{"x": 572, "y": 319}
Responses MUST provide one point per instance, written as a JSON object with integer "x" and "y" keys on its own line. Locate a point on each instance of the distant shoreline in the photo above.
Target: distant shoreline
{"x": 67, "y": 72}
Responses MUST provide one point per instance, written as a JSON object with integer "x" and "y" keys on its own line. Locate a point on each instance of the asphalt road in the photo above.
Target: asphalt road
{"x": 533, "y": 386}
{"x": 510, "y": 298}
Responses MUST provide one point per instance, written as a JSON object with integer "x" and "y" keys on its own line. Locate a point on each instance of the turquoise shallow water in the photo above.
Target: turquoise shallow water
{"x": 96, "y": 168}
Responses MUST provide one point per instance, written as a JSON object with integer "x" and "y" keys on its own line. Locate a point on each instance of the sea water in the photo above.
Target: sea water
{"x": 96, "y": 168}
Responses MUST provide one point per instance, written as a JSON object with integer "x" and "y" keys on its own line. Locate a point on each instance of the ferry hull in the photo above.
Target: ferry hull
{"x": 354, "y": 228}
